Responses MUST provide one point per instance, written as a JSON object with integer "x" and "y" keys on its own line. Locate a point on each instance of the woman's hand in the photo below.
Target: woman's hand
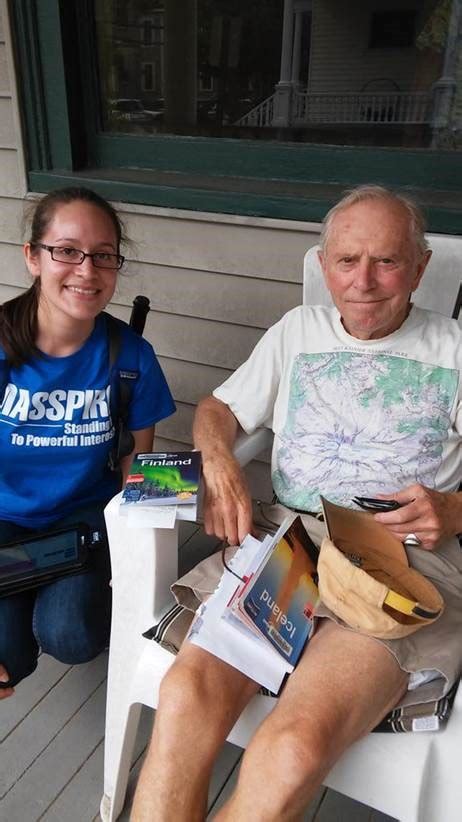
{"x": 431, "y": 515}
{"x": 4, "y": 677}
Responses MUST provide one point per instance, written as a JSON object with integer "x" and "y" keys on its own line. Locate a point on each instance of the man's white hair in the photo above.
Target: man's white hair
{"x": 417, "y": 224}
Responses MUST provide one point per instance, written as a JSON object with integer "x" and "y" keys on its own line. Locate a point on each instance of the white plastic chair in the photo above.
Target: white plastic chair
{"x": 413, "y": 777}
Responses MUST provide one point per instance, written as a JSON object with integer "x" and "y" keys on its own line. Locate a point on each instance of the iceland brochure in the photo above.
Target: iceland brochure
{"x": 262, "y": 624}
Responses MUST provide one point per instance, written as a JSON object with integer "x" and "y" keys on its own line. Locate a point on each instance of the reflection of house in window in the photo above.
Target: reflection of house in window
{"x": 363, "y": 69}
{"x": 301, "y": 65}
{"x": 147, "y": 76}
{"x": 152, "y": 30}
{"x": 120, "y": 70}
{"x": 392, "y": 29}
{"x": 146, "y": 32}
{"x": 205, "y": 82}
{"x": 151, "y": 77}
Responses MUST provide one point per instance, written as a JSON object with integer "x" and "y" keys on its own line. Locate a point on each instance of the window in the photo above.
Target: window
{"x": 151, "y": 29}
{"x": 393, "y": 29}
{"x": 266, "y": 107}
{"x": 147, "y": 38}
{"x": 205, "y": 82}
{"x": 147, "y": 76}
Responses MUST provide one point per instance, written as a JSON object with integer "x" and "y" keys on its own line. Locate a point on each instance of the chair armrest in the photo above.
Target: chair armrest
{"x": 145, "y": 560}
{"x": 144, "y": 564}
{"x": 248, "y": 446}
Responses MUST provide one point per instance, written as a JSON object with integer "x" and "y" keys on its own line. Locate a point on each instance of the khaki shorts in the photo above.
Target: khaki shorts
{"x": 434, "y": 648}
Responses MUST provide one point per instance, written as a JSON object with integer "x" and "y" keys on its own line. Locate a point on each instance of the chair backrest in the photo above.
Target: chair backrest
{"x": 439, "y": 290}
{"x": 140, "y": 310}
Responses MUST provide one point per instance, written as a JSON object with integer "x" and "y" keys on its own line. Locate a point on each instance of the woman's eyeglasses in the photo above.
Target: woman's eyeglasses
{"x": 74, "y": 256}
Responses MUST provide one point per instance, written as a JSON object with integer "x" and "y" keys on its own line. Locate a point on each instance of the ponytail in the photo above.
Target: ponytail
{"x": 18, "y": 326}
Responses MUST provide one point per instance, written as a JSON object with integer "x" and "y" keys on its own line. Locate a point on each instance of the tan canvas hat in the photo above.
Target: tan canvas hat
{"x": 366, "y": 580}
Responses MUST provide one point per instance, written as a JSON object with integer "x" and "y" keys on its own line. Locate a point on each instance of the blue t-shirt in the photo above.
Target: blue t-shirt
{"x": 56, "y": 432}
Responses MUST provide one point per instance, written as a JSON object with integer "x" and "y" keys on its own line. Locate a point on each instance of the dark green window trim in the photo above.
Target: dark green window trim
{"x": 248, "y": 177}
{"x": 441, "y": 220}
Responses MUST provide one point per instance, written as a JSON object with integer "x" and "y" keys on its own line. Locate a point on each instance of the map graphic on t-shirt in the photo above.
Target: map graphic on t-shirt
{"x": 361, "y": 424}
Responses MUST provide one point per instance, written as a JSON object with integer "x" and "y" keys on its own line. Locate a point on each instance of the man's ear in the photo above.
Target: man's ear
{"x": 32, "y": 260}
{"x": 322, "y": 260}
{"x": 420, "y": 269}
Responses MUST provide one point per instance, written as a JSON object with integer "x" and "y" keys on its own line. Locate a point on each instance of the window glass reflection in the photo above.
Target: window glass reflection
{"x": 364, "y": 73}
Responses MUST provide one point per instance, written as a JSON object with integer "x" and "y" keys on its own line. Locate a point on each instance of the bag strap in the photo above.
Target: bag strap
{"x": 4, "y": 375}
{"x": 123, "y": 373}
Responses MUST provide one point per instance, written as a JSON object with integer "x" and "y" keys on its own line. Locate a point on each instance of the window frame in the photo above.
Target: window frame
{"x": 66, "y": 145}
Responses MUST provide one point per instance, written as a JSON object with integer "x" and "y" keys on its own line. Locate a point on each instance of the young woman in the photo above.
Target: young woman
{"x": 56, "y": 431}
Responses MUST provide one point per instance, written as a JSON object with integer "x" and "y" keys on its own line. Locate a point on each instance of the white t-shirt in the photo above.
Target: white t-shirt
{"x": 354, "y": 417}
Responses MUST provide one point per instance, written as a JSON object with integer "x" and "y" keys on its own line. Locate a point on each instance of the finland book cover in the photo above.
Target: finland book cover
{"x": 169, "y": 478}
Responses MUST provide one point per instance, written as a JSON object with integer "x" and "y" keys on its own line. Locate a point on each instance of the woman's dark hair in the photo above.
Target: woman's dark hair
{"x": 18, "y": 317}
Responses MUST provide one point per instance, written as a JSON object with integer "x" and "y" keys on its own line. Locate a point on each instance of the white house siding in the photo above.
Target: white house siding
{"x": 215, "y": 282}
{"x": 340, "y": 59}
{"x": 11, "y": 159}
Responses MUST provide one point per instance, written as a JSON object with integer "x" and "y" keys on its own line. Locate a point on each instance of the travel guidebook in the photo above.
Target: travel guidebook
{"x": 261, "y": 624}
{"x": 162, "y": 487}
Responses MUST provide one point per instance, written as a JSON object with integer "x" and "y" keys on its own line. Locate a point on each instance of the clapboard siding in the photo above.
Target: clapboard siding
{"x": 196, "y": 293}
{"x": 11, "y": 174}
{"x": 7, "y": 292}
{"x": 7, "y": 131}
{"x": 179, "y": 425}
{"x": 341, "y": 60}
{"x": 13, "y": 272}
{"x": 4, "y": 76}
{"x": 228, "y": 247}
{"x": 189, "y": 381}
{"x": 199, "y": 341}
{"x": 243, "y": 250}
{"x": 11, "y": 218}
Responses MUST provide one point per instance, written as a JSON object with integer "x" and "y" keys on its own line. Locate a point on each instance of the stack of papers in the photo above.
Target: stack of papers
{"x": 261, "y": 624}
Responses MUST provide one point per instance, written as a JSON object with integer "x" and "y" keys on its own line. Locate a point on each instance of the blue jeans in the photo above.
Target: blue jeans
{"x": 69, "y": 618}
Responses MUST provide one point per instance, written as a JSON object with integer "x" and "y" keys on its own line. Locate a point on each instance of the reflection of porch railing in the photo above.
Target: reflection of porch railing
{"x": 396, "y": 107}
{"x": 260, "y": 116}
{"x": 363, "y": 108}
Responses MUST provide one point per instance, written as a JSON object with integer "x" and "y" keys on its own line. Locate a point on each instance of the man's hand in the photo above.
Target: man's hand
{"x": 430, "y": 515}
{"x": 227, "y": 501}
{"x": 4, "y": 677}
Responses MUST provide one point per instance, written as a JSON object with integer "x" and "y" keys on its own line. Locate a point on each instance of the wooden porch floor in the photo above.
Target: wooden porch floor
{"x": 52, "y": 737}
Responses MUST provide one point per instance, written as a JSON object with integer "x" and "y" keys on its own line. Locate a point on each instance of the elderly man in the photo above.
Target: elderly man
{"x": 364, "y": 399}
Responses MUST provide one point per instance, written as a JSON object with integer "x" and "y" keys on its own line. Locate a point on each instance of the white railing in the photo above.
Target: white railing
{"x": 377, "y": 108}
{"x": 364, "y": 108}
{"x": 261, "y": 116}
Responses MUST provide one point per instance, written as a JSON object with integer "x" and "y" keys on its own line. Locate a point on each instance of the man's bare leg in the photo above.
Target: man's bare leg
{"x": 343, "y": 685}
{"x": 200, "y": 699}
